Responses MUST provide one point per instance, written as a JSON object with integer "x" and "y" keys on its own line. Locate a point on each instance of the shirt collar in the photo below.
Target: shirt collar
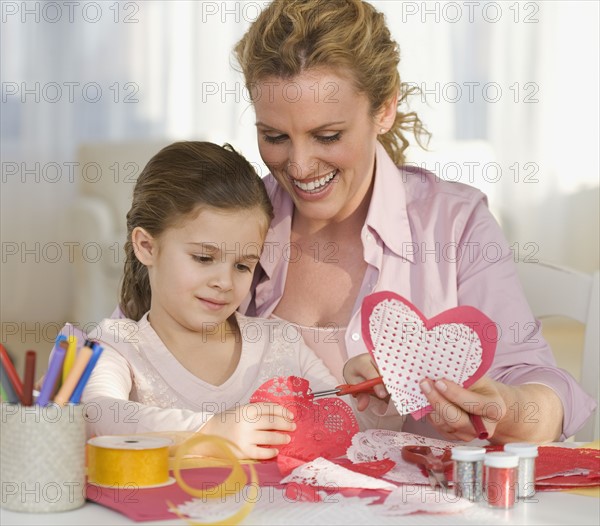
{"x": 278, "y": 235}
{"x": 387, "y": 215}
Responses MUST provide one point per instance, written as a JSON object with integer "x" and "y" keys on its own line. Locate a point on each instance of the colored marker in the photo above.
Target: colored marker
{"x": 96, "y": 352}
{"x": 77, "y": 370}
{"x": 479, "y": 426}
{"x": 11, "y": 373}
{"x": 29, "y": 378}
{"x": 11, "y": 396}
{"x": 54, "y": 370}
{"x": 64, "y": 343}
{"x": 69, "y": 357}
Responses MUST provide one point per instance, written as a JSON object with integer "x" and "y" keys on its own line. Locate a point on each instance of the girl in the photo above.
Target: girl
{"x": 196, "y": 230}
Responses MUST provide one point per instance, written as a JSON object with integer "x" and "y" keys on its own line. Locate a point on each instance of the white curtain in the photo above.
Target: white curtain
{"x": 111, "y": 71}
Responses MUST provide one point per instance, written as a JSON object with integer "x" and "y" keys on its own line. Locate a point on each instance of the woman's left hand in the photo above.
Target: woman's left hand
{"x": 452, "y": 405}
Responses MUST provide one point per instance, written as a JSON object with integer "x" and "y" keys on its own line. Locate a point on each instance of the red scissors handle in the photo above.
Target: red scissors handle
{"x": 423, "y": 456}
{"x": 362, "y": 387}
{"x": 344, "y": 389}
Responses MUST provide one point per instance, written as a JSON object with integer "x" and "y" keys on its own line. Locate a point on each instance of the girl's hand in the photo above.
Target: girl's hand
{"x": 452, "y": 404}
{"x": 359, "y": 369}
{"x": 252, "y": 426}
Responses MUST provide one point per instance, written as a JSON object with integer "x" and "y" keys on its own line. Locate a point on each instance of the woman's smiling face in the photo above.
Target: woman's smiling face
{"x": 317, "y": 136}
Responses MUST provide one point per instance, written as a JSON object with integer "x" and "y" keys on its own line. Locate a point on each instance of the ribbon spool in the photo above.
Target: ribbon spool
{"x": 126, "y": 461}
{"x": 233, "y": 484}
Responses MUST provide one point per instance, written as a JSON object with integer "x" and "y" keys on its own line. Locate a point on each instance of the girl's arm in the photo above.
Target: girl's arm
{"x": 109, "y": 410}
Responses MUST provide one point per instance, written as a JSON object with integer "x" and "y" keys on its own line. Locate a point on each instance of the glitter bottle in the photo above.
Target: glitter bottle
{"x": 500, "y": 479}
{"x": 468, "y": 472}
{"x": 527, "y": 454}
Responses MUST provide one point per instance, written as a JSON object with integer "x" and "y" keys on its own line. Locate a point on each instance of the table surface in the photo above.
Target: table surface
{"x": 550, "y": 507}
{"x": 544, "y": 508}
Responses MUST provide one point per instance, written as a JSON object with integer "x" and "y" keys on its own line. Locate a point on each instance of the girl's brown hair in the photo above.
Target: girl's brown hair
{"x": 291, "y": 36}
{"x": 174, "y": 183}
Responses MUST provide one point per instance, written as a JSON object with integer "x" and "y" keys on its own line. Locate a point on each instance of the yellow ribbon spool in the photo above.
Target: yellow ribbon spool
{"x": 233, "y": 484}
{"x": 126, "y": 461}
{"x": 143, "y": 461}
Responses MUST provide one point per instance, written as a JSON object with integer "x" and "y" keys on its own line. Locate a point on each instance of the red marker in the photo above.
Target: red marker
{"x": 479, "y": 426}
{"x": 11, "y": 372}
{"x": 29, "y": 378}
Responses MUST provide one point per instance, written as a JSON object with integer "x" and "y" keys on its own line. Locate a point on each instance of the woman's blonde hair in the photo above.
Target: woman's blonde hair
{"x": 176, "y": 181}
{"x": 292, "y": 36}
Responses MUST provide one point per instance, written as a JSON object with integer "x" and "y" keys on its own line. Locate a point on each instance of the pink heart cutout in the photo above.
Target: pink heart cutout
{"x": 457, "y": 344}
{"x": 324, "y": 427}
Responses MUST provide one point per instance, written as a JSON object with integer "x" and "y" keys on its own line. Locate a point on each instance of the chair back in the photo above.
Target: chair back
{"x": 558, "y": 291}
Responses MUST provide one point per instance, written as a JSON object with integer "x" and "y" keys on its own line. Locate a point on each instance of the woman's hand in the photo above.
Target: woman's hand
{"x": 452, "y": 405}
{"x": 251, "y": 427}
{"x": 530, "y": 412}
{"x": 359, "y": 369}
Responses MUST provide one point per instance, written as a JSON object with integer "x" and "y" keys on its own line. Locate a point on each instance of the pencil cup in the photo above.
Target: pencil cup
{"x": 42, "y": 457}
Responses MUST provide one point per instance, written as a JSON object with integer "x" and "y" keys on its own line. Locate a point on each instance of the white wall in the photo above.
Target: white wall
{"x": 170, "y": 56}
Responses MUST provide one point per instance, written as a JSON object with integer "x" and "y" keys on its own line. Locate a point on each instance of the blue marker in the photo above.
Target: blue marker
{"x": 54, "y": 371}
{"x": 96, "y": 352}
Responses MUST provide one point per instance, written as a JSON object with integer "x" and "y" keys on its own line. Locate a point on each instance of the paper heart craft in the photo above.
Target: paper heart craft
{"x": 324, "y": 427}
{"x": 457, "y": 344}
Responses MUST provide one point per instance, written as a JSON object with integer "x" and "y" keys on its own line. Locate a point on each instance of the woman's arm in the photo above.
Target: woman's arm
{"x": 535, "y": 400}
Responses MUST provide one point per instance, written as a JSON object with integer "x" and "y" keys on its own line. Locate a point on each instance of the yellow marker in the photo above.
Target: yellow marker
{"x": 68, "y": 386}
{"x": 69, "y": 357}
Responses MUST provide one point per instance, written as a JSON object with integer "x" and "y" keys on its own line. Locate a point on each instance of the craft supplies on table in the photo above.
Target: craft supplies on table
{"x": 468, "y": 472}
{"x": 457, "y": 344}
{"x": 324, "y": 427}
{"x": 345, "y": 389}
{"x": 42, "y": 458}
{"x": 435, "y": 466}
{"x": 128, "y": 461}
{"x": 527, "y": 454}
{"x": 329, "y": 483}
{"x": 42, "y": 466}
{"x": 500, "y": 479}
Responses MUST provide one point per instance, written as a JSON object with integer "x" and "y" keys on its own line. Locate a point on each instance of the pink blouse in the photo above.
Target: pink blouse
{"x": 436, "y": 244}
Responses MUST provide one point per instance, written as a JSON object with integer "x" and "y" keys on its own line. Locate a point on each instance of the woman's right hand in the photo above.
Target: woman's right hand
{"x": 357, "y": 370}
{"x": 252, "y": 428}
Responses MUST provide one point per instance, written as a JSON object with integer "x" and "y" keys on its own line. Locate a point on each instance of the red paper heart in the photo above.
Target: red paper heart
{"x": 324, "y": 428}
{"x": 375, "y": 468}
{"x": 287, "y": 464}
{"x": 458, "y": 344}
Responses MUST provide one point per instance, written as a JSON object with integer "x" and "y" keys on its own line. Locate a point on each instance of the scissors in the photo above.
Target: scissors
{"x": 367, "y": 387}
{"x": 435, "y": 466}
{"x": 344, "y": 389}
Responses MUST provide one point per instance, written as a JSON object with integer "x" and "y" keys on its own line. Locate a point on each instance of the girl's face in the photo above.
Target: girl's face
{"x": 317, "y": 136}
{"x": 201, "y": 269}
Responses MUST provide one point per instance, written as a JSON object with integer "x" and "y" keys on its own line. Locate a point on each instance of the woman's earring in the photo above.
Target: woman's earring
{"x": 381, "y": 130}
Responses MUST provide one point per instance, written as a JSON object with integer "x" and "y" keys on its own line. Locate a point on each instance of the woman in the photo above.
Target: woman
{"x": 350, "y": 219}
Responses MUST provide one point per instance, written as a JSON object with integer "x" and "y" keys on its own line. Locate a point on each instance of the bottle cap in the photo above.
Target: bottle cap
{"x": 468, "y": 453}
{"x": 501, "y": 459}
{"x": 522, "y": 449}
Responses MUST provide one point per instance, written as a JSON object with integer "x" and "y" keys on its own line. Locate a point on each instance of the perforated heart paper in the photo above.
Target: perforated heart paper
{"x": 324, "y": 427}
{"x": 458, "y": 345}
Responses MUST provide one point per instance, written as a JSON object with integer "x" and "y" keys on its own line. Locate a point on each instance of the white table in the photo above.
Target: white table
{"x": 550, "y": 508}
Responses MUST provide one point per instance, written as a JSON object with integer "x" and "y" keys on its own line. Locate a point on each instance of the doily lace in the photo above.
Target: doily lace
{"x": 325, "y": 474}
{"x": 407, "y": 351}
{"x": 377, "y": 444}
